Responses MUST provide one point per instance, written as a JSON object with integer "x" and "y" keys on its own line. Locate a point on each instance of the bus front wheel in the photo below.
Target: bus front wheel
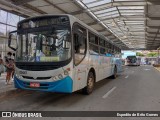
{"x": 90, "y": 84}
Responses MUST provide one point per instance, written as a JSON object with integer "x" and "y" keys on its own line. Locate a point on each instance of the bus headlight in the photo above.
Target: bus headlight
{"x": 54, "y": 78}
{"x": 18, "y": 76}
{"x": 66, "y": 72}
{"x": 60, "y": 76}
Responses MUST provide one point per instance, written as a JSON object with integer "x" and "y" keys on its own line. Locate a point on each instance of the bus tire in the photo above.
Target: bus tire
{"x": 90, "y": 84}
{"x": 114, "y": 76}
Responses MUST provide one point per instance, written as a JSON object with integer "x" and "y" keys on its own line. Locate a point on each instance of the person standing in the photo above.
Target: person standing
{"x": 13, "y": 68}
{"x": 13, "y": 56}
{"x": 10, "y": 67}
{"x": 9, "y": 54}
{"x": 1, "y": 67}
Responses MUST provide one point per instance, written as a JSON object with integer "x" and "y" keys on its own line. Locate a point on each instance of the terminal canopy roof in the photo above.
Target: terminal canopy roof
{"x": 131, "y": 24}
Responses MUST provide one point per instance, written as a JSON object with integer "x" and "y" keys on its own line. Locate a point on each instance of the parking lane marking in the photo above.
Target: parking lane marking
{"x": 146, "y": 69}
{"x": 108, "y": 93}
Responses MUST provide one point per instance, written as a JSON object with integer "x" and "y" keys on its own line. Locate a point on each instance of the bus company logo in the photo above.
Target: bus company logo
{"x": 6, "y": 114}
{"x": 21, "y": 114}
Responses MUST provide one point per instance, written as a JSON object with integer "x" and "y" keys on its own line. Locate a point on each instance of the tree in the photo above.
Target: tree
{"x": 139, "y": 54}
{"x": 152, "y": 54}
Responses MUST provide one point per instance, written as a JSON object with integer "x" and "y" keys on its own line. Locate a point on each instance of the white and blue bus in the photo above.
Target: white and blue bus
{"x": 59, "y": 53}
{"x": 133, "y": 60}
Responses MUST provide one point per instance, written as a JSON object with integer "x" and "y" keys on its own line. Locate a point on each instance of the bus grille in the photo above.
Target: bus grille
{"x": 38, "y": 78}
{"x": 37, "y": 67}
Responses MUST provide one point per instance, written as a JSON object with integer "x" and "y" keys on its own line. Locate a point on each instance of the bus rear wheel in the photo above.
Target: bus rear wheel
{"x": 90, "y": 84}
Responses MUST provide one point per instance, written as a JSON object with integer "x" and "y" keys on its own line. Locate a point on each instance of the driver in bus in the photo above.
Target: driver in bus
{"x": 53, "y": 46}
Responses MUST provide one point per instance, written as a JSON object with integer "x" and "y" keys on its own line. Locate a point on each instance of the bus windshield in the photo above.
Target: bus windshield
{"x": 44, "y": 45}
{"x": 132, "y": 59}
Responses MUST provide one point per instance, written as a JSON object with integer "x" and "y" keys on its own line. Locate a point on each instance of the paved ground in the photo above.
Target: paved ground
{"x": 157, "y": 68}
{"x": 3, "y": 87}
{"x": 136, "y": 89}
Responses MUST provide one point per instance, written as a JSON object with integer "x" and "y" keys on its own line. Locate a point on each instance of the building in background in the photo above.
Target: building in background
{"x": 8, "y": 22}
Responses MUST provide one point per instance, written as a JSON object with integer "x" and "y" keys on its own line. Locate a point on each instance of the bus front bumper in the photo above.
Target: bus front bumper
{"x": 64, "y": 86}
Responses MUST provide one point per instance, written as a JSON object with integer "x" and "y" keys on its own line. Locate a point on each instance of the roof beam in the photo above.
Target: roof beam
{"x": 10, "y": 7}
{"x": 112, "y": 39}
{"x": 154, "y": 2}
{"x": 110, "y": 5}
{"x": 153, "y": 18}
{"x": 78, "y": 12}
{"x": 154, "y": 27}
{"x": 152, "y": 45}
{"x": 126, "y": 18}
{"x": 96, "y": 22}
{"x": 151, "y": 32}
{"x": 152, "y": 39}
{"x": 116, "y": 4}
{"x": 102, "y": 30}
{"x": 93, "y": 23}
{"x": 152, "y": 42}
{"x": 84, "y": 11}
{"x": 47, "y": 1}
{"x": 34, "y": 9}
{"x": 106, "y": 12}
{"x": 108, "y": 34}
{"x": 20, "y": 2}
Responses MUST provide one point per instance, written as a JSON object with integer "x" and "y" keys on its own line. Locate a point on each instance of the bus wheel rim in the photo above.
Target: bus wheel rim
{"x": 90, "y": 83}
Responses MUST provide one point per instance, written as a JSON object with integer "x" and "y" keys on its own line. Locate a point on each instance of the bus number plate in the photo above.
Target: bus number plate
{"x": 34, "y": 84}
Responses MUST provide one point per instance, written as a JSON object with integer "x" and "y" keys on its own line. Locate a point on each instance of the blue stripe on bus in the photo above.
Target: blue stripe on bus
{"x": 65, "y": 85}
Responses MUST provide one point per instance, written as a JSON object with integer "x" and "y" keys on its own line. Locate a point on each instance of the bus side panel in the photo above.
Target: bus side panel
{"x": 94, "y": 63}
{"x": 107, "y": 67}
{"x": 80, "y": 74}
{"x": 101, "y": 68}
{"x": 119, "y": 66}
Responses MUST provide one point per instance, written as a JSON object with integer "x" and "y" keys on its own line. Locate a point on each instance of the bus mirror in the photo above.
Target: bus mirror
{"x": 12, "y": 40}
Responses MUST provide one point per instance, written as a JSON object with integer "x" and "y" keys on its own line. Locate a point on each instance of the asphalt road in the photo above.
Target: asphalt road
{"x": 136, "y": 89}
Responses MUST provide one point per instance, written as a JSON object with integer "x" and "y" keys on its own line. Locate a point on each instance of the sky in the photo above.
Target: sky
{"x": 127, "y": 53}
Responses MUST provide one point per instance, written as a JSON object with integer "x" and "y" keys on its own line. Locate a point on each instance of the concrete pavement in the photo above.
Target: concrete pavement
{"x": 4, "y": 88}
{"x": 136, "y": 89}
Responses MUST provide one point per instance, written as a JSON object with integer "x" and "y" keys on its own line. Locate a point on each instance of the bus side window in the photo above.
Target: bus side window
{"x": 80, "y": 45}
{"x": 76, "y": 44}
